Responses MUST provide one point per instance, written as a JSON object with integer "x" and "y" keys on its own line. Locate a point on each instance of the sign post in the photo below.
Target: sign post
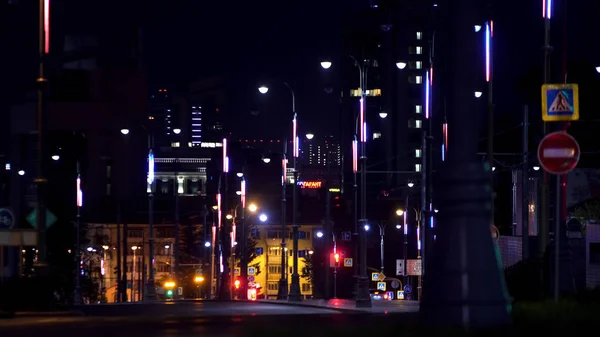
{"x": 558, "y": 154}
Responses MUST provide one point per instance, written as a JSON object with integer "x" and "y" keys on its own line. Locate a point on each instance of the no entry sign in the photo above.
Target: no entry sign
{"x": 558, "y": 153}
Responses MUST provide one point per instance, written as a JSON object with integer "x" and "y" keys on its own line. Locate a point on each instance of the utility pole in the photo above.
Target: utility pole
{"x": 40, "y": 181}
{"x": 328, "y": 230}
{"x": 77, "y": 250}
{"x": 176, "y": 245}
{"x": 282, "y": 291}
{"x": 490, "y": 116}
{"x": 363, "y": 296}
{"x": 525, "y": 187}
{"x": 119, "y": 262}
{"x": 355, "y": 235}
{"x": 244, "y": 241}
{"x": 464, "y": 249}
{"x": 295, "y": 294}
{"x": 150, "y": 293}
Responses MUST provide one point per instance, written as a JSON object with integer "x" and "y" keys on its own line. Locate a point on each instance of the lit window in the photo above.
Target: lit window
{"x": 419, "y": 50}
{"x": 417, "y": 153}
{"x": 419, "y": 35}
{"x": 418, "y": 109}
{"x": 419, "y": 65}
{"x": 175, "y": 144}
{"x": 417, "y": 167}
{"x": 418, "y": 79}
{"x": 418, "y": 124}
{"x": 376, "y": 135}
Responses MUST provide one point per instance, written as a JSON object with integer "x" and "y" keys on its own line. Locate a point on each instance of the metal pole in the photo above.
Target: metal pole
{"x": 295, "y": 294}
{"x": 419, "y": 256}
{"x": 119, "y": 262}
{"x": 77, "y": 292}
{"x": 464, "y": 216}
{"x": 212, "y": 257}
{"x": 41, "y": 181}
{"x": 328, "y": 230}
{"x": 424, "y": 182}
{"x": 381, "y": 233}
{"x": 545, "y": 212}
{"x": 490, "y": 140}
{"x": 355, "y": 235}
{"x": 525, "y": 187}
{"x": 125, "y": 266}
{"x": 244, "y": 250}
{"x": 363, "y": 297}
{"x": 335, "y": 266}
{"x": 405, "y": 251}
{"x": 557, "y": 241}
{"x": 176, "y": 244}
{"x": 150, "y": 289}
{"x": 282, "y": 292}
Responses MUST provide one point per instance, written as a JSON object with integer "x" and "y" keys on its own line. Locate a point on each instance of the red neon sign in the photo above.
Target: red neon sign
{"x": 310, "y": 184}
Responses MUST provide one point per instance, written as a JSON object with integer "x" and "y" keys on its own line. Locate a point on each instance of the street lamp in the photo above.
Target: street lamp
{"x": 383, "y": 114}
{"x": 55, "y": 157}
{"x": 125, "y": 131}
{"x": 229, "y": 217}
{"x": 399, "y": 212}
{"x": 310, "y": 136}
{"x": 410, "y": 184}
{"x": 263, "y": 217}
{"x": 598, "y": 69}
{"x": 239, "y": 174}
{"x": 21, "y": 172}
{"x": 266, "y": 160}
{"x": 263, "y": 89}
{"x": 401, "y": 65}
{"x": 252, "y": 208}
{"x": 478, "y": 94}
{"x": 326, "y": 64}
{"x": 536, "y": 168}
{"x": 176, "y": 131}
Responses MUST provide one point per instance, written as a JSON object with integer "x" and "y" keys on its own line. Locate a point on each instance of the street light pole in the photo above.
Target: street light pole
{"x": 150, "y": 293}
{"x": 282, "y": 293}
{"x": 244, "y": 242}
{"x": 79, "y": 200}
{"x": 295, "y": 294}
{"x": 381, "y": 243}
{"x": 363, "y": 297}
{"x": 40, "y": 181}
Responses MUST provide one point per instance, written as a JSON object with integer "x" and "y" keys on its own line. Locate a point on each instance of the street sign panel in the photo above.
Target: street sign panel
{"x": 50, "y": 218}
{"x": 413, "y": 267}
{"x": 558, "y": 153}
{"x": 560, "y": 102}
{"x": 7, "y": 218}
{"x": 250, "y": 278}
{"x": 395, "y": 284}
{"x": 347, "y": 236}
{"x": 381, "y": 286}
{"x": 259, "y": 250}
{"x": 347, "y": 262}
{"x": 407, "y": 289}
{"x": 236, "y": 271}
{"x": 251, "y": 271}
{"x": 374, "y": 276}
{"x": 381, "y": 276}
{"x": 399, "y": 267}
{"x": 390, "y": 295}
{"x": 400, "y": 294}
{"x": 199, "y": 272}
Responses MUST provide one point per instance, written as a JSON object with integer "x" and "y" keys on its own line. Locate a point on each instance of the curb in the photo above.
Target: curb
{"x": 300, "y": 304}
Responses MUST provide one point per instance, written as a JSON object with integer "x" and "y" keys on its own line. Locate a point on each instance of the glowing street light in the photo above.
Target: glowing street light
{"x": 477, "y": 28}
{"x": 266, "y": 160}
{"x": 207, "y": 244}
{"x": 55, "y": 157}
{"x": 252, "y": 208}
{"x": 263, "y": 217}
{"x": 399, "y": 212}
{"x": 478, "y": 94}
{"x": 319, "y": 234}
{"x": 239, "y": 174}
{"x": 367, "y": 227}
{"x": 326, "y": 64}
{"x": 176, "y": 131}
{"x": 310, "y": 136}
{"x": 383, "y": 114}
{"x": 410, "y": 184}
{"x": 400, "y": 65}
{"x": 536, "y": 168}
{"x": 263, "y": 89}
{"x": 229, "y": 217}
{"x": 125, "y": 131}
{"x": 21, "y": 172}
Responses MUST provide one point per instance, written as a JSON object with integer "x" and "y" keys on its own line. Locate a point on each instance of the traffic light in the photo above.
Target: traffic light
{"x": 334, "y": 259}
{"x": 170, "y": 293}
{"x": 336, "y": 201}
{"x": 336, "y": 256}
{"x": 237, "y": 284}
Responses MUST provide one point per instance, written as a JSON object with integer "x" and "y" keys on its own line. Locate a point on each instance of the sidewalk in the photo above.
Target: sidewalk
{"x": 378, "y": 306}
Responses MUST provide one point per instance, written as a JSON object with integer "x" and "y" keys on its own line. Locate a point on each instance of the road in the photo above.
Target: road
{"x": 193, "y": 318}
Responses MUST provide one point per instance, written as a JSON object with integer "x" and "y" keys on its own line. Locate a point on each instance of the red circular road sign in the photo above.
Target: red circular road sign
{"x": 558, "y": 153}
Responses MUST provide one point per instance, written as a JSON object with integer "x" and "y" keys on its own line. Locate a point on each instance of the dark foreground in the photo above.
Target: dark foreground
{"x": 257, "y": 319}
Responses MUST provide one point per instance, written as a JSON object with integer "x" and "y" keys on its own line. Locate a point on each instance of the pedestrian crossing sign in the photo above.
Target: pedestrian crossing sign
{"x": 560, "y": 102}
{"x": 347, "y": 262}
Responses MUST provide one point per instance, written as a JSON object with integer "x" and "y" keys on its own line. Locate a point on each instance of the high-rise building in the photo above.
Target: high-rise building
{"x": 196, "y": 125}
{"x": 161, "y": 116}
{"x": 317, "y": 152}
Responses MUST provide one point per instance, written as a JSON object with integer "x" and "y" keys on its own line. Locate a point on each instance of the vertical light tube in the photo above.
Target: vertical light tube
{"x": 225, "y": 158}
{"x": 405, "y": 224}
{"x": 363, "y": 123}
{"x": 488, "y": 46}
{"x": 47, "y": 26}
{"x": 295, "y": 135}
{"x": 444, "y": 140}
{"x": 243, "y": 195}
{"x": 79, "y": 192}
{"x": 427, "y": 79}
{"x": 284, "y": 170}
{"x": 219, "y": 214}
{"x": 354, "y": 155}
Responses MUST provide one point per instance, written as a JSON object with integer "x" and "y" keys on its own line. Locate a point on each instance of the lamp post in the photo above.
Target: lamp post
{"x": 294, "y": 294}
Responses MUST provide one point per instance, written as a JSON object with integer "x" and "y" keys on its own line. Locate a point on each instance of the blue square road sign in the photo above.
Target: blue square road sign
{"x": 560, "y": 102}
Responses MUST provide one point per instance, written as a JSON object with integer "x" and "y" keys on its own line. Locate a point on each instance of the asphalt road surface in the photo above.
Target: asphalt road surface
{"x": 206, "y": 319}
